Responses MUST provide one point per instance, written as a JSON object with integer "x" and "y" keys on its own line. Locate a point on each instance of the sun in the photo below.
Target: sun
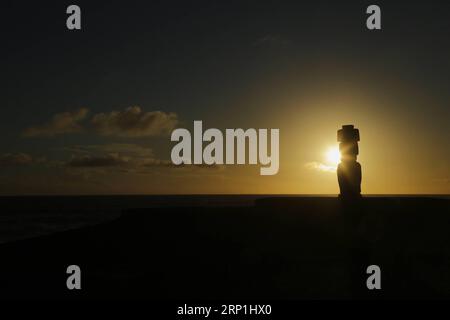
{"x": 333, "y": 156}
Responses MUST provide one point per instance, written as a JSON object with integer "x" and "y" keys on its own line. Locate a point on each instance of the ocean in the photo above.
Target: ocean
{"x": 24, "y": 217}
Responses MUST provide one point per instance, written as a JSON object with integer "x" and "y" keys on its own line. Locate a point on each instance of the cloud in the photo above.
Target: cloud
{"x": 320, "y": 167}
{"x": 132, "y": 150}
{"x": 18, "y": 159}
{"x": 133, "y": 122}
{"x": 116, "y": 160}
{"x": 151, "y": 163}
{"x": 124, "y": 155}
{"x": 125, "y": 158}
{"x": 218, "y": 167}
{"x": 107, "y": 155}
{"x": 61, "y": 123}
{"x": 88, "y": 161}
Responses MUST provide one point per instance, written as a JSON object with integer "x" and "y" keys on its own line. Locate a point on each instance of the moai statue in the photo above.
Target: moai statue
{"x": 349, "y": 170}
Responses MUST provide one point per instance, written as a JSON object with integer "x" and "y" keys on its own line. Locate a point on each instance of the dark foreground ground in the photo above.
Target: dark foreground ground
{"x": 281, "y": 248}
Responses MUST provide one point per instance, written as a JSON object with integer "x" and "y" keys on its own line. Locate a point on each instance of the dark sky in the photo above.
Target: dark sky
{"x": 220, "y": 61}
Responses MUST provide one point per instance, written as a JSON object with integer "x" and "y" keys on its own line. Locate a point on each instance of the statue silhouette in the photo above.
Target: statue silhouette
{"x": 349, "y": 170}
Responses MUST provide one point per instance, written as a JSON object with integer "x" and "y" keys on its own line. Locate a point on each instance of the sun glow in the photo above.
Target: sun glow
{"x": 333, "y": 156}
{"x": 329, "y": 163}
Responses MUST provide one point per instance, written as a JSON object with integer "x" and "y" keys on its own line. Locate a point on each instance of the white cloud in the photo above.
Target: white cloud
{"x": 318, "y": 166}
